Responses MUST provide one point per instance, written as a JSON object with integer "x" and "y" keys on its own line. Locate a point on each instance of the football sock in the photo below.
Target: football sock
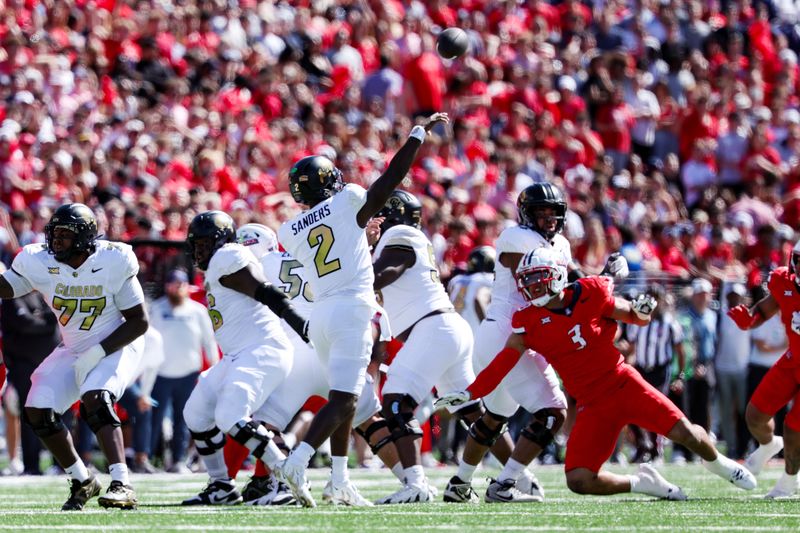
{"x": 786, "y": 484}
{"x": 272, "y": 455}
{"x": 302, "y": 454}
{"x": 119, "y": 472}
{"x": 339, "y": 475}
{"x": 235, "y": 455}
{"x": 465, "y": 471}
{"x": 764, "y": 452}
{"x": 215, "y": 466}
{"x": 512, "y": 470}
{"x": 78, "y": 471}
{"x": 414, "y": 475}
{"x": 721, "y": 466}
{"x": 261, "y": 469}
{"x": 398, "y": 471}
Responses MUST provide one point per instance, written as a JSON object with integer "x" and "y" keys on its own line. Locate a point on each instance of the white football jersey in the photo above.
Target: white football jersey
{"x": 418, "y": 291}
{"x": 332, "y": 247}
{"x": 86, "y": 299}
{"x": 463, "y": 290}
{"x": 286, "y": 273}
{"x": 239, "y": 321}
{"x": 506, "y": 299}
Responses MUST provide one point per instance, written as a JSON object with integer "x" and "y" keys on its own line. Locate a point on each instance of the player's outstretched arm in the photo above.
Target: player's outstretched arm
{"x": 491, "y": 376}
{"x": 637, "y": 312}
{"x": 251, "y": 283}
{"x": 393, "y": 261}
{"x": 379, "y": 191}
{"x": 753, "y": 317}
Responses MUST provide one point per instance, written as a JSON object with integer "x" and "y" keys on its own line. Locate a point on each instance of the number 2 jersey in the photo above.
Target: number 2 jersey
{"x": 782, "y": 285}
{"x": 578, "y": 341}
{"x": 239, "y": 321}
{"x": 332, "y": 247}
{"x": 87, "y": 300}
{"x": 418, "y": 290}
{"x": 518, "y": 240}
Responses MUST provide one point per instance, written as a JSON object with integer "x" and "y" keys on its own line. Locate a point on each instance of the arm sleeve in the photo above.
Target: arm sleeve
{"x": 130, "y": 294}
{"x": 491, "y": 376}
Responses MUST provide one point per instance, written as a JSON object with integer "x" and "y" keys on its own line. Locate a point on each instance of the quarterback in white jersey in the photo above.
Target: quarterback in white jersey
{"x": 309, "y": 377}
{"x": 91, "y": 285}
{"x": 471, "y": 292}
{"x": 437, "y": 349}
{"x": 329, "y": 240}
{"x": 257, "y": 355}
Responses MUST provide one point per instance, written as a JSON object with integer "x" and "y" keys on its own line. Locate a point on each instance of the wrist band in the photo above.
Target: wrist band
{"x": 418, "y": 133}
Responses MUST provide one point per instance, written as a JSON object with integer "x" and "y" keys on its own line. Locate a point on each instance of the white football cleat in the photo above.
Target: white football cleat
{"x": 507, "y": 492}
{"x": 295, "y": 477}
{"x": 458, "y": 491}
{"x": 345, "y": 494}
{"x": 219, "y": 492}
{"x": 528, "y": 484}
{"x": 654, "y": 484}
{"x": 410, "y": 494}
{"x": 757, "y": 460}
{"x": 743, "y": 478}
{"x": 786, "y": 487}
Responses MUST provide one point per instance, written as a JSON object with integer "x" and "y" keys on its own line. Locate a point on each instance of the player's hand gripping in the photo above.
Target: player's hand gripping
{"x": 452, "y": 399}
{"x": 616, "y": 266}
{"x": 643, "y": 306}
{"x": 86, "y": 362}
{"x": 374, "y": 230}
{"x": 435, "y": 119}
{"x": 741, "y": 316}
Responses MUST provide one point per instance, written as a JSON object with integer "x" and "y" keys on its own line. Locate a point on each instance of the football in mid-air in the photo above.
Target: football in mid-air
{"x": 452, "y": 43}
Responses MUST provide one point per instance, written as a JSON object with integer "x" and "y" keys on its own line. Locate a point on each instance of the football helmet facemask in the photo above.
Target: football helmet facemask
{"x": 540, "y": 277}
{"x": 313, "y": 179}
{"x": 78, "y": 219}
{"x": 208, "y": 232}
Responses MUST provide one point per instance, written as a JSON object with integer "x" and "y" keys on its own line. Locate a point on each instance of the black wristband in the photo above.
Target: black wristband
{"x": 279, "y": 304}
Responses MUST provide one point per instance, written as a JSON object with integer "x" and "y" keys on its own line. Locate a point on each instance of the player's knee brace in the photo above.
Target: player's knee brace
{"x": 252, "y": 435}
{"x": 371, "y": 430}
{"x": 483, "y": 434}
{"x": 470, "y": 409}
{"x": 542, "y": 428}
{"x": 45, "y": 423}
{"x": 400, "y": 418}
{"x": 208, "y": 442}
{"x": 101, "y": 413}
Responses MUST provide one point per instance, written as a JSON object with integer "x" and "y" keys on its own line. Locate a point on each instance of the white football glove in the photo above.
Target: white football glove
{"x": 617, "y": 266}
{"x": 86, "y": 362}
{"x": 452, "y": 399}
{"x": 796, "y": 322}
{"x": 643, "y": 306}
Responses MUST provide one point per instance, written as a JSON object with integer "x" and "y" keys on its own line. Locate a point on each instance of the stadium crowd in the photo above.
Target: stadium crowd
{"x": 673, "y": 126}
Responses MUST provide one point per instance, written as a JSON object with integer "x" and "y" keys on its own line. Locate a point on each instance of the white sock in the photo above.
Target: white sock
{"x": 339, "y": 475}
{"x": 119, "y": 472}
{"x": 398, "y": 472}
{"x": 272, "y": 455}
{"x": 721, "y": 466}
{"x": 466, "y": 471}
{"x": 302, "y": 454}
{"x": 215, "y": 466}
{"x": 787, "y": 483}
{"x": 414, "y": 475}
{"x": 78, "y": 471}
{"x": 512, "y": 470}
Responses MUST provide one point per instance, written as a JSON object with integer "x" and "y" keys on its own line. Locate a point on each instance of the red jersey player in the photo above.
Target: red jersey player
{"x": 782, "y": 382}
{"x": 573, "y": 327}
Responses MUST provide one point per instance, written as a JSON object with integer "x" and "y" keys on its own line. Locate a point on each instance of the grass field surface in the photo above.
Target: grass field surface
{"x": 33, "y": 504}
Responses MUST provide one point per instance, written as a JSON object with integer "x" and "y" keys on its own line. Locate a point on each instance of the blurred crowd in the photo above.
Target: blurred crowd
{"x": 673, "y": 126}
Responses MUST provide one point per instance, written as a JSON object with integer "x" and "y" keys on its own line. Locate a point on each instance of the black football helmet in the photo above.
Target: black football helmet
{"x": 313, "y": 179}
{"x": 538, "y": 196}
{"x": 78, "y": 219}
{"x": 481, "y": 259}
{"x": 207, "y": 233}
{"x": 402, "y": 207}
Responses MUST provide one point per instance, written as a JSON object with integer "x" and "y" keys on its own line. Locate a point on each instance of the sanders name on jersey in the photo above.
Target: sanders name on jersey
{"x": 311, "y": 218}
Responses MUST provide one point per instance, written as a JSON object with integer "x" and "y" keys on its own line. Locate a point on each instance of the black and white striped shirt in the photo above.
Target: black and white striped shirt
{"x": 655, "y": 341}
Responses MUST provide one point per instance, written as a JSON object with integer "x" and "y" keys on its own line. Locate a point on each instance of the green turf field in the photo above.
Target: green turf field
{"x": 32, "y": 504}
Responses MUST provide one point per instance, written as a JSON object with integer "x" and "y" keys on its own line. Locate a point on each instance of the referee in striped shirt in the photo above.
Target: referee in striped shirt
{"x": 652, "y": 349}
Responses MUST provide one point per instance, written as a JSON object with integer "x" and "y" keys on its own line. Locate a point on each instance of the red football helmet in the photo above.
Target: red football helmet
{"x": 540, "y": 276}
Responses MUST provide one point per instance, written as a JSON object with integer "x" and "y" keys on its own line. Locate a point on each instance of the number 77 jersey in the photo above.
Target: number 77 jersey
{"x": 332, "y": 247}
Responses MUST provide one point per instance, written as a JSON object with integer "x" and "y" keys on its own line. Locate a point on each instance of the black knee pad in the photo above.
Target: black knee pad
{"x": 400, "y": 418}
{"x": 542, "y": 428}
{"x": 44, "y": 426}
{"x": 103, "y": 415}
{"x": 208, "y": 442}
{"x": 371, "y": 430}
{"x": 252, "y": 436}
{"x": 483, "y": 434}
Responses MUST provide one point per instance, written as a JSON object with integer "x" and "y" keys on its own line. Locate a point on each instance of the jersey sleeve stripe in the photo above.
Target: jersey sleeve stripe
{"x": 518, "y": 331}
